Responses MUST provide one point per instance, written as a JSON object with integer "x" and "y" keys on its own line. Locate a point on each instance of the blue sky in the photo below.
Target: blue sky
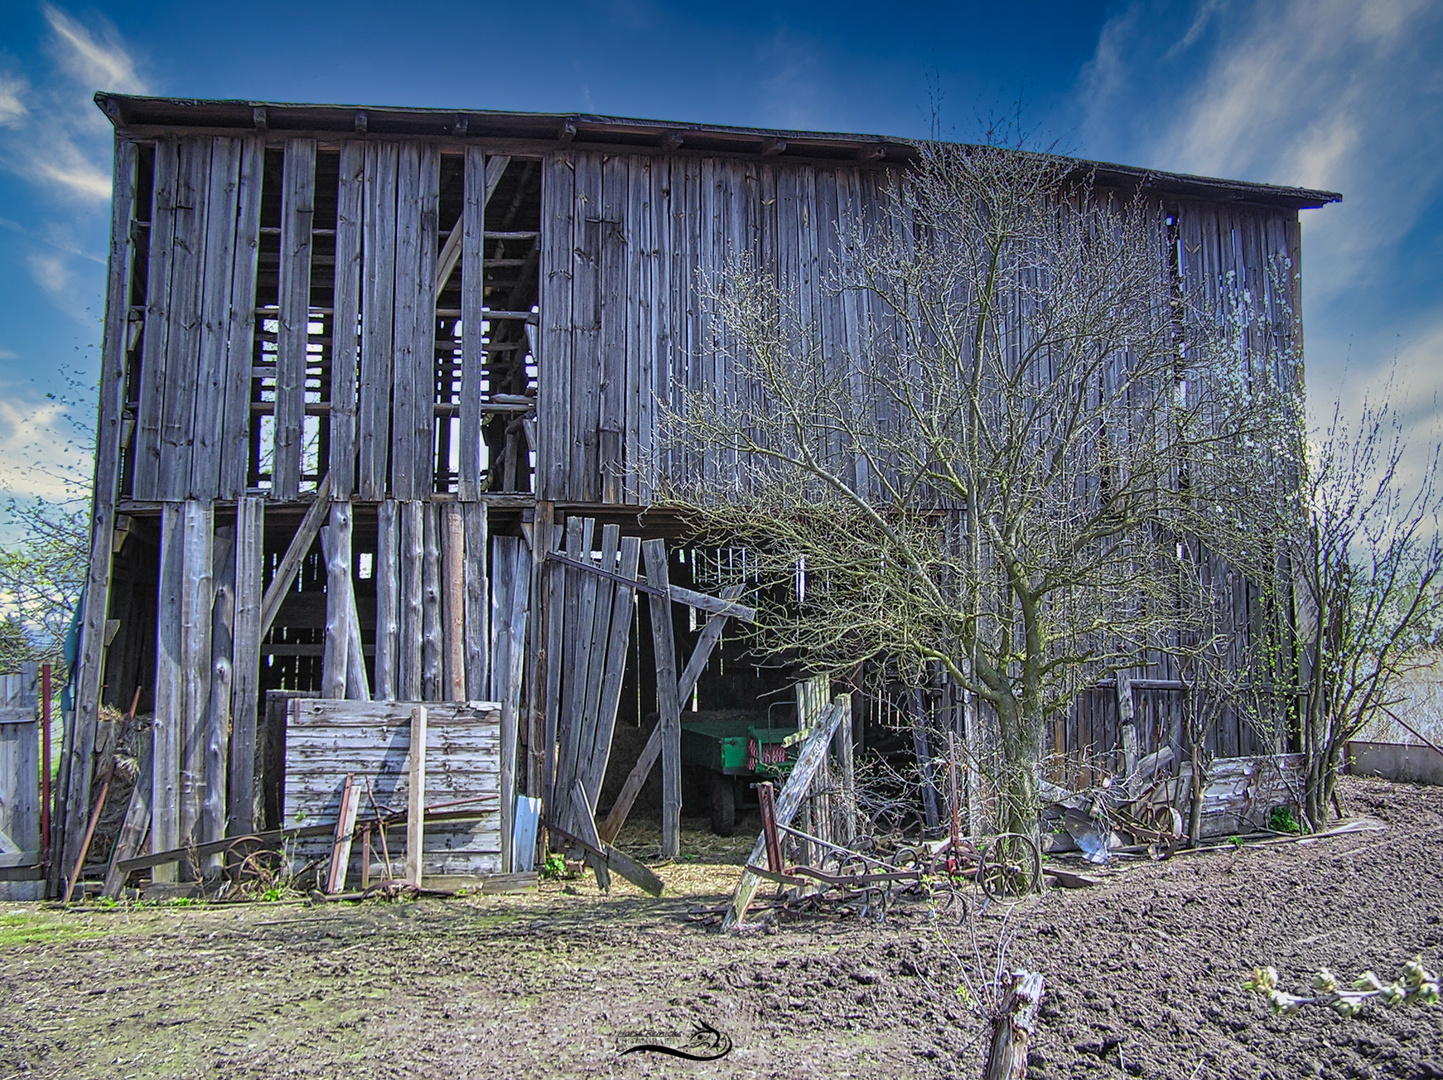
{"x": 1346, "y": 96}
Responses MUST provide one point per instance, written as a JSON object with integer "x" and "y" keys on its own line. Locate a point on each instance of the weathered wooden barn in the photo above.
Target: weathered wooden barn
{"x": 378, "y": 400}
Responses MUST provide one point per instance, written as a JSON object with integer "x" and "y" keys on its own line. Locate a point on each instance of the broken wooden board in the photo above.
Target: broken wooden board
{"x": 634, "y": 872}
{"x": 810, "y": 759}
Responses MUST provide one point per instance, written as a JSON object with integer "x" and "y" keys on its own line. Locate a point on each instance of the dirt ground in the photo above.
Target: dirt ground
{"x": 1143, "y": 976}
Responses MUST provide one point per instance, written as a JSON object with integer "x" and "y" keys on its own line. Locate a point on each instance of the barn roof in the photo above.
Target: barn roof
{"x": 143, "y": 116}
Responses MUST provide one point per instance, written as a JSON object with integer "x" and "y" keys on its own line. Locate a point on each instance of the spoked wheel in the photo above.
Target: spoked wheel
{"x": 252, "y": 863}
{"x": 1011, "y": 867}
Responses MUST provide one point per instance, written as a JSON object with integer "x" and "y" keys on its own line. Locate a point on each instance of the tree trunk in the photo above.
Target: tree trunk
{"x": 1013, "y": 1026}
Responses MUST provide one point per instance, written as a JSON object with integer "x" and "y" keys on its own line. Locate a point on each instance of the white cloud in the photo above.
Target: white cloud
{"x": 12, "y": 109}
{"x": 51, "y": 133}
{"x": 50, "y": 272}
{"x": 99, "y": 63}
{"x": 35, "y": 450}
{"x": 1320, "y": 93}
{"x": 9, "y": 354}
{"x": 1331, "y": 94}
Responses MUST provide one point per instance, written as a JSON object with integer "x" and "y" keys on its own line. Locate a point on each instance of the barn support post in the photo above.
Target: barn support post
{"x": 668, "y": 707}
{"x": 90, "y": 675}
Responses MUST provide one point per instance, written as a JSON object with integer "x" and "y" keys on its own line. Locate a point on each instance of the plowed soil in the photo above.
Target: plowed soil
{"x": 1143, "y": 976}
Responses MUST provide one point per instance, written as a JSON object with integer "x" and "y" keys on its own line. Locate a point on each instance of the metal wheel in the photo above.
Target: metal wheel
{"x": 1011, "y": 867}
{"x": 252, "y": 863}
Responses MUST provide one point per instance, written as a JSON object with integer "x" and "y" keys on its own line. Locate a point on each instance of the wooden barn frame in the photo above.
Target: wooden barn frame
{"x": 379, "y": 397}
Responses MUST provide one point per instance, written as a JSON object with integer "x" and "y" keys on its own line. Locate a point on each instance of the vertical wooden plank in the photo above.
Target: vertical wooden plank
{"x": 337, "y": 547}
{"x": 196, "y": 604}
{"x": 613, "y": 368}
{"x": 345, "y": 325}
{"x": 598, "y": 633}
{"x": 622, "y": 612}
{"x": 578, "y": 546}
{"x": 453, "y": 600}
{"x": 638, "y": 234}
{"x": 473, "y": 299}
{"x": 245, "y": 667}
{"x": 556, "y": 577}
{"x": 407, "y": 394}
{"x": 411, "y": 600}
{"x": 161, "y": 254}
{"x": 478, "y": 600}
{"x": 217, "y": 725}
{"x": 431, "y": 644}
{"x": 169, "y": 670}
{"x": 582, "y": 482}
{"x": 416, "y": 795}
{"x": 388, "y": 618}
{"x": 660, "y": 336}
{"x": 424, "y": 418}
{"x": 111, "y": 392}
{"x": 183, "y": 337}
{"x": 208, "y": 431}
{"x": 510, "y": 696}
{"x": 298, "y": 204}
{"x": 378, "y": 298}
{"x": 558, "y": 193}
{"x": 668, "y": 707}
{"x": 240, "y": 342}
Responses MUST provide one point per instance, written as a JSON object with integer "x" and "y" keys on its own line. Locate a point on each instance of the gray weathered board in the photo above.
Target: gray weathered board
{"x": 19, "y": 783}
{"x": 325, "y": 740}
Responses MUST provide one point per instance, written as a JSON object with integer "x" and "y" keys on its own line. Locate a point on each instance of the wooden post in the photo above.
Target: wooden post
{"x": 217, "y": 726}
{"x": 388, "y": 557}
{"x": 1014, "y": 1026}
{"x": 668, "y": 706}
{"x": 336, "y": 547}
{"x": 842, "y": 747}
{"x": 412, "y": 600}
{"x": 196, "y": 609}
{"x": 416, "y": 796}
{"x": 478, "y": 600}
{"x": 431, "y": 643}
{"x": 165, "y": 803}
{"x": 453, "y": 596}
{"x": 245, "y": 664}
{"x": 78, "y": 750}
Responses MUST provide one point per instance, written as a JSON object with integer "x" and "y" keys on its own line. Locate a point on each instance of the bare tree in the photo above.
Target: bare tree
{"x": 1368, "y": 557}
{"x": 992, "y": 478}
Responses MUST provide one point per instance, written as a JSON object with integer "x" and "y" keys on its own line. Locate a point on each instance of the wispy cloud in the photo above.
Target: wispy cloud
{"x": 12, "y": 108}
{"x": 50, "y": 131}
{"x": 1332, "y": 94}
{"x": 38, "y": 454}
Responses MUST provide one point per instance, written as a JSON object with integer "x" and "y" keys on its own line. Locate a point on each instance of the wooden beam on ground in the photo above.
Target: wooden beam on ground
{"x": 634, "y": 872}
{"x": 290, "y": 563}
{"x": 585, "y": 819}
{"x": 809, "y": 760}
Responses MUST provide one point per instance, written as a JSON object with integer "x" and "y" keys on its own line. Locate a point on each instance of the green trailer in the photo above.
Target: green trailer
{"x": 735, "y": 752}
